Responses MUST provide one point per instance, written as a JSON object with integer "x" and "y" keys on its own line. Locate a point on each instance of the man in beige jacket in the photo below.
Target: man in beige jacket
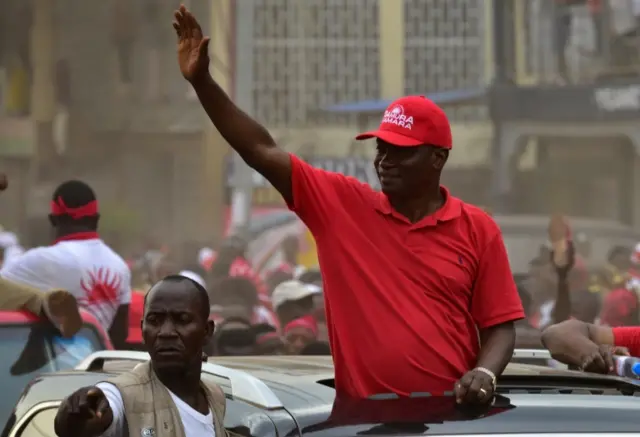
{"x": 164, "y": 397}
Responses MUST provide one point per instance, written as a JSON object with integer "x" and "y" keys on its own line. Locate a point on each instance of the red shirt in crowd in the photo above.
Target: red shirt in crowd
{"x": 403, "y": 300}
{"x": 241, "y": 267}
{"x": 136, "y": 310}
{"x": 629, "y": 337}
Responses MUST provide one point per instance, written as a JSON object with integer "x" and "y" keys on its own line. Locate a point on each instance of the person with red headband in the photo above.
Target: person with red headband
{"x": 268, "y": 340}
{"x": 58, "y": 306}
{"x": 79, "y": 261}
{"x": 299, "y": 333}
{"x": 419, "y": 293}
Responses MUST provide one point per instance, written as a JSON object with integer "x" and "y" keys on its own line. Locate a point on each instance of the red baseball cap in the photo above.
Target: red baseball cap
{"x": 413, "y": 121}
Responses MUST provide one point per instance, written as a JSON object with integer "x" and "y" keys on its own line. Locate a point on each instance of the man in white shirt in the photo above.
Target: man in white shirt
{"x": 79, "y": 261}
{"x": 59, "y": 306}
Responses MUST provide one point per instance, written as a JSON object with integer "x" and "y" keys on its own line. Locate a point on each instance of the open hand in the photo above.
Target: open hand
{"x": 86, "y": 412}
{"x": 193, "y": 48}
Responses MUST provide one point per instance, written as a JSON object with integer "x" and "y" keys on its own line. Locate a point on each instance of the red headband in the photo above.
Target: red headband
{"x": 306, "y": 322}
{"x": 59, "y": 208}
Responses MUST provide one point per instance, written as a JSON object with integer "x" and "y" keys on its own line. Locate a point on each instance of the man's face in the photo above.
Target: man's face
{"x": 297, "y": 338}
{"x": 173, "y": 328}
{"x": 403, "y": 170}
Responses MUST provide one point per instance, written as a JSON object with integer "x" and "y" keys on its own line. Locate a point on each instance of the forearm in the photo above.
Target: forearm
{"x": 568, "y": 341}
{"x": 119, "y": 330}
{"x": 497, "y": 344}
{"x": 557, "y": 337}
{"x": 244, "y": 134}
{"x": 118, "y": 336}
{"x": 562, "y": 307}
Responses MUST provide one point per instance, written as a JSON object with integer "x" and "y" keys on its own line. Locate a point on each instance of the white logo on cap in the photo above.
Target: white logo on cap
{"x": 396, "y": 115}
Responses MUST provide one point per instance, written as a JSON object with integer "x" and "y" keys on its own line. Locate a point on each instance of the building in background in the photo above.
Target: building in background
{"x": 569, "y": 140}
{"x": 310, "y": 55}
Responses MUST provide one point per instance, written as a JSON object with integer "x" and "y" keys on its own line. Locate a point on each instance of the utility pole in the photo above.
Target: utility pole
{"x": 242, "y": 181}
{"x": 503, "y": 50}
{"x": 43, "y": 98}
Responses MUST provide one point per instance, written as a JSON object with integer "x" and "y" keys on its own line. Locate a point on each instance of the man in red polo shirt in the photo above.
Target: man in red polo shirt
{"x": 411, "y": 274}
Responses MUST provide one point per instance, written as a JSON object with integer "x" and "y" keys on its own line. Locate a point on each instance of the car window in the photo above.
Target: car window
{"x": 24, "y": 354}
{"x": 29, "y": 350}
{"x": 41, "y": 425}
{"x": 68, "y": 352}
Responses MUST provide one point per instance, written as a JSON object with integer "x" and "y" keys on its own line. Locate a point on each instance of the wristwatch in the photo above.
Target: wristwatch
{"x": 491, "y": 375}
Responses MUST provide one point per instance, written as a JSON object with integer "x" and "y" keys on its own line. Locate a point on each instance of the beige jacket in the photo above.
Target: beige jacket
{"x": 149, "y": 409}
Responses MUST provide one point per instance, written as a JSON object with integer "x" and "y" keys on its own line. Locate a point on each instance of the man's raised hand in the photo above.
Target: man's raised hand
{"x": 193, "y": 47}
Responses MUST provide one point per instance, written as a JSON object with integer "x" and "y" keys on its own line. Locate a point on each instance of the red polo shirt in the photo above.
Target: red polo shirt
{"x": 403, "y": 300}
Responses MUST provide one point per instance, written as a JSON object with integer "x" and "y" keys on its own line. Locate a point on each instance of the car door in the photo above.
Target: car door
{"x": 31, "y": 348}
{"x": 38, "y": 422}
{"x": 241, "y": 418}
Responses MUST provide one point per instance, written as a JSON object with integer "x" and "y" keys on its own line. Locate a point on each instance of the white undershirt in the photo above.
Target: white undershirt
{"x": 195, "y": 424}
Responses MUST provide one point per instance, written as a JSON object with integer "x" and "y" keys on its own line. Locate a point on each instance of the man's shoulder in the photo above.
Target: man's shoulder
{"x": 139, "y": 375}
{"x": 115, "y": 261}
{"x": 334, "y": 178}
{"x": 40, "y": 252}
{"x": 215, "y": 389}
{"x": 479, "y": 219}
{"x": 37, "y": 256}
{"x": 350, "y": 184}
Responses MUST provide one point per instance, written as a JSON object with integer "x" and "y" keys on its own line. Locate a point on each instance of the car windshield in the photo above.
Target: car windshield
{"x": 28, "y": 350}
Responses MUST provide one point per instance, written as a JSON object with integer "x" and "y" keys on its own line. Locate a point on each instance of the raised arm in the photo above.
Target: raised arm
{"x": 246, "y": 136}
{"x": 562, "y": 307}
